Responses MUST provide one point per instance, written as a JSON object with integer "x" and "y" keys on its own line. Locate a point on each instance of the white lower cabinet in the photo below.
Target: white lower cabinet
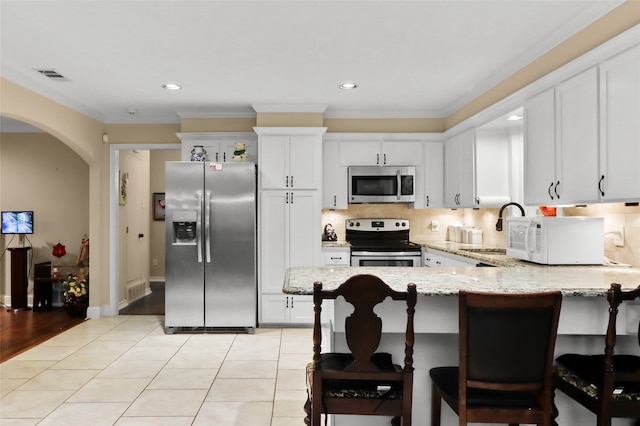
{"x": 432, "y": 260}
{"x": 281, "y": 309}
{"x": 336, "y": 256}
{"x": 289, "y": 236}
{"x": 435, "y": 258}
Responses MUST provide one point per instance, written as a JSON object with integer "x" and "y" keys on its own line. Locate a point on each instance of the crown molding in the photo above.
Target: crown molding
{"x": 314, "y": 108}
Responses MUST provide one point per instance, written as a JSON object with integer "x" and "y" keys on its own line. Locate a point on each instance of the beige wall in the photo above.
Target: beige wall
{"x": 616, "y": 214}
{"x": 157, "y": 171}
{"x": 38, "y": 172}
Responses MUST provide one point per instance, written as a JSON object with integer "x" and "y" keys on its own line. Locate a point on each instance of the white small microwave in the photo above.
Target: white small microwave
{"x": 562, "y": 240}
{"x": 382, "y": 184}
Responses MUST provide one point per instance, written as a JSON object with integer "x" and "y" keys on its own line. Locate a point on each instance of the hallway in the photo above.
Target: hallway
{"x": 124, "y": 370}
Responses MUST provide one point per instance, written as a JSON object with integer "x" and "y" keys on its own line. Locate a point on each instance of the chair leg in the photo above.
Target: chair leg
{"x": 395, "y": 421}
{"x": 307, "y": 410}
{"x": 436, "y": 405}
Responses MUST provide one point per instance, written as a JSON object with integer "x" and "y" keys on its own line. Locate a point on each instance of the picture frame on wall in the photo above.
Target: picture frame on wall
{"x": 123, "y": 180}
{"x": 158, "y": 206}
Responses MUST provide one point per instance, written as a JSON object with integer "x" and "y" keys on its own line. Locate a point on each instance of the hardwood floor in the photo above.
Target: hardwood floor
{"x": 22, "y": 330}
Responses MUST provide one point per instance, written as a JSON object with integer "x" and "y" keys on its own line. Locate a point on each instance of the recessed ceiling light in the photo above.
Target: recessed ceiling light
{"x": 171, "y": 86}
{"x": 514, "y": 117}
{"x": 348, "y": 86}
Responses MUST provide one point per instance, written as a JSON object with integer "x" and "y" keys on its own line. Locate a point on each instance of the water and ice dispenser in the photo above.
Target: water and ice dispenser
{"x": 184, "y": 227}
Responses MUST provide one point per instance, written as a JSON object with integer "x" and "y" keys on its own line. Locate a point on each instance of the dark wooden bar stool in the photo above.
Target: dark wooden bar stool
{"x": 607, "y": 384}
{"x": 362, "y": 382}
{"x": 506, "y": 359}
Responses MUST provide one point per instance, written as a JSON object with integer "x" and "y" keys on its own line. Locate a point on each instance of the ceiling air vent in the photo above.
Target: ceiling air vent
{"x": 52, "y": 74}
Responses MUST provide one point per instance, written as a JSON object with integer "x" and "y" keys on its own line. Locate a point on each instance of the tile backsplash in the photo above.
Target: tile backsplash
{"x": 485, "y": 219}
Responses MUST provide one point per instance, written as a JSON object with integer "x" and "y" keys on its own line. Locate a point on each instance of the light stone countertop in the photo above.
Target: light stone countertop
{"x": 585, "y": 281}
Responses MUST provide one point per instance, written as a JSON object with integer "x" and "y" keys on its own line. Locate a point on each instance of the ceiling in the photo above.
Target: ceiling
{"x": 409, "y": 58}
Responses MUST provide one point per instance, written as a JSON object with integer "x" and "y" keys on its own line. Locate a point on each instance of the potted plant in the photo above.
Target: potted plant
{"x": 76, "y": 296}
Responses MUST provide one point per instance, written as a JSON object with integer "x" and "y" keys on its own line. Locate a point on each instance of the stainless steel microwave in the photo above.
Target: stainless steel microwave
{"x": 386, "y": 184}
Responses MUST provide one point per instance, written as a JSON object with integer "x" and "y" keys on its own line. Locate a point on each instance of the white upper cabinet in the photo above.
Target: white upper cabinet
{"x": 582, "y": 137}
{"x": 619, "y": 178}
{"x": 577, "y": 138}
{"x": 334, "y": 177}
{"x": 459, "y": 170}
{"x": 218, "y": 146}
{"x": 539, "y": 149}
{"x": 561, "y": 143}
{"x": 431, "y": 176}
{"x": 381, "y": 153}
{"x": 290, "y": 161}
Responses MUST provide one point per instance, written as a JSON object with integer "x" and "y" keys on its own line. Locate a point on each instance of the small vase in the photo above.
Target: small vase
{"x": 198, "y": 153}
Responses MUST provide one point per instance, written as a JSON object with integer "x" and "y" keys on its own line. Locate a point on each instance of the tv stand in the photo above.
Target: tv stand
{"x": 19, "y": 279}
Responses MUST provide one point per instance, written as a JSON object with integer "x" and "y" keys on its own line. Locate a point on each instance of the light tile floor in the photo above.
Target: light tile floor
{"x": 125, "y": 371}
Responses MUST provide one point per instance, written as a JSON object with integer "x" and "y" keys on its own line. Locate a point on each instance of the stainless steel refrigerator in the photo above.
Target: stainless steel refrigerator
{"x": 210, "y": 267}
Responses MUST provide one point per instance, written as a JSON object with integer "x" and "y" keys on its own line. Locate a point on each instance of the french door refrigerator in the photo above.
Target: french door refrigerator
{"x": 210, "y": 266}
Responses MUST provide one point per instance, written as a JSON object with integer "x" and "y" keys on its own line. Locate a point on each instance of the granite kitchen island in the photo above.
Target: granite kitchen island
{"x": 582, "y": 325}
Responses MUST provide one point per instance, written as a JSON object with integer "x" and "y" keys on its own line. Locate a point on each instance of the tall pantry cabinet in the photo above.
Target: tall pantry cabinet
{"x": 289, "y": 224}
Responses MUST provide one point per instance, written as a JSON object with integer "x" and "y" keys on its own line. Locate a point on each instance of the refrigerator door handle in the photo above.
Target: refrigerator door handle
{"x": 199, "y": 229}
{"x": 207, "y": 225}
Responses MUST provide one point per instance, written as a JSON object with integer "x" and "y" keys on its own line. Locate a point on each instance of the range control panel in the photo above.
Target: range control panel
{"x": 377, "y": 224}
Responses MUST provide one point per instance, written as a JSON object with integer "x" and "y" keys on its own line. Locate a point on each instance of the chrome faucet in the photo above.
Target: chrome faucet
{"x": 499, "y": 223}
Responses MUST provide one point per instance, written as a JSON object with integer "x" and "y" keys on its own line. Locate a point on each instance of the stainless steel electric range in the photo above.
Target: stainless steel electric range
{"x": 382, "y": 242}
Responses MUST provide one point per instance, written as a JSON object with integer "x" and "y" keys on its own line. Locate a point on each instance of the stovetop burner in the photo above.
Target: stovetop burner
{"x": 381, "y": 235}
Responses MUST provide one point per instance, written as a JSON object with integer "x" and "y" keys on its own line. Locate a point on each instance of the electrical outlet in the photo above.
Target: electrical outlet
{"x": 617, "y": 232}
{"x": 155, "y": 262}
{"x": 435, "y": 226}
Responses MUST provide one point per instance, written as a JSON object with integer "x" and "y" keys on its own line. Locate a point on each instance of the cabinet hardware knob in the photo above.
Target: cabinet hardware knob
{"x": 335, "y": 200}
{"x": 377, "y": 158}
{"x": 292, "y": 181}
{"x": 549, "y": 190}
{"x": 286, "y": 181}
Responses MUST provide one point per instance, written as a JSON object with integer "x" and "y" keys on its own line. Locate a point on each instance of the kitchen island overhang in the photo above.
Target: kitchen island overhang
{"x": 583, "y": 317}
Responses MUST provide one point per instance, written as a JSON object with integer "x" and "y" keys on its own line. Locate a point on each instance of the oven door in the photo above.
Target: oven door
{"x": 389, "y": 259}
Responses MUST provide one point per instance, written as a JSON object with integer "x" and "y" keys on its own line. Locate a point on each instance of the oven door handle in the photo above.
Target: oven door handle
{"x": 386, "y": 253}
{"x": 399, "y": 178}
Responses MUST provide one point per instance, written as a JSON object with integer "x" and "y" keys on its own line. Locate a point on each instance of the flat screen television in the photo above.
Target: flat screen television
{"x": 17, "y": 222}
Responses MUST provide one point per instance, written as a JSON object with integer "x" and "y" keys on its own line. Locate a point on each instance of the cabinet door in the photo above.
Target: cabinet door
{"x": 539, "y": 149}
{"x": 305, "y": 162}
{"x": 274, "y": 309}
{"x": 459, "y": 183}
{"x": 360, "y": 153}
{"x": 336, "y": 256}
{"x": 577, "y": 138}
{"x": 433, "y": 174}
{"x": 451, "y": 173}
{"x": 274, "y": 162}
{"x": 274, "y": 231}
{"x": 402, "y": 153}
{"x": 620, "y": 127}
{"x": 301, "y": 309}
{"x": 334, "y": 178}
{"x": 304, "y": 233}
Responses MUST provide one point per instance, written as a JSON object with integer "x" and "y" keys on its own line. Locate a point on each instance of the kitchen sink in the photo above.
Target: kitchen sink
{"x": 489, "y": 251}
